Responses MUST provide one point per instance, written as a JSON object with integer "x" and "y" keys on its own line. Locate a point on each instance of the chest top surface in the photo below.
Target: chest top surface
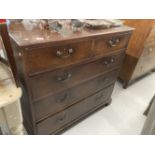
{"x": 28, "y": 34}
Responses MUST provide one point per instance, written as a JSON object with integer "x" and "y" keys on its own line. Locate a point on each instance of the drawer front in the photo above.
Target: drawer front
{"x": 147, "y": 59}
{"x": 64, "y": 99}
{"x": 49, "y": 58}
{"x": 149, "y": 51}
{"x": 76, "y": 111}
{"x": 146, "y": 62}
{"x": 109, "y": 44}
{"x": 140, "y": 71}
{"x": 144, "y": 66}
{"x": 47, "y": 84}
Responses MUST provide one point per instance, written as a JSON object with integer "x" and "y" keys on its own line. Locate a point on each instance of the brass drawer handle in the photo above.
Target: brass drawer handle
{"x": 65, "y": 53}
{"x": 64, "y": 78}
{"x": 109, "y": 62}
{"x": 113, "y": 42}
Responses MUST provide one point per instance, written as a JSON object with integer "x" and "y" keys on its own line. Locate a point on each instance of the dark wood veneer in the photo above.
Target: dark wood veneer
{"x": 64, "y": 79}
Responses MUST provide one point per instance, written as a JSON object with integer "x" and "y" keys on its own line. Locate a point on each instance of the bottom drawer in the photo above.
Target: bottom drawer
{"x": 75, "y": 112}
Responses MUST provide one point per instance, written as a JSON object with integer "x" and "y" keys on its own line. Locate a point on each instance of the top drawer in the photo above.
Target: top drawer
{"x": 40, "y": 60}
{"x": 45, "y": 59}
{"x": 114, "y": 43}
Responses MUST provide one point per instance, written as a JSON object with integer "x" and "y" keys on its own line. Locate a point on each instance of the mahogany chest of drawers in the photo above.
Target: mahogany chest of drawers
{"x": 65, "y": 78}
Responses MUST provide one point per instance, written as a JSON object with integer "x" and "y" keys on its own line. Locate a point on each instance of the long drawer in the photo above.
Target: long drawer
{"x": 54, "y": 82}
{"x": 39, "y": 60}
{"x": 58, "y": 102}
{"x": 76, "y": 111}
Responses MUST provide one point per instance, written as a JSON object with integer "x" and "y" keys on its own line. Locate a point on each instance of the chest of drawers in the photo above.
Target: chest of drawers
{"x": 65, "y": 78}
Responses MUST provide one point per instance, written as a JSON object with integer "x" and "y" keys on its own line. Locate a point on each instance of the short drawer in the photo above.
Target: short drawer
{"x": 41, "y": 60}
{"x": 80, "y": 109}
{"x": 109, "y": 44}
{"x": 56, "y": 81}
{"x": 64, "y": 99}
